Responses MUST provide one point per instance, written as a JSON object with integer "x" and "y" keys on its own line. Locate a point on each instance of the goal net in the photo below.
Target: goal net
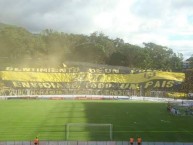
{"x": 90, "y": 131}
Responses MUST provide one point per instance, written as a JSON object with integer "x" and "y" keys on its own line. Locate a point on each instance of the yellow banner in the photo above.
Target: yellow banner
{"x": 90, "y": 77}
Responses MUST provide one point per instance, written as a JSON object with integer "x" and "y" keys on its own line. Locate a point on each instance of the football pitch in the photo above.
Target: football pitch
{"x": 22, "y": 120}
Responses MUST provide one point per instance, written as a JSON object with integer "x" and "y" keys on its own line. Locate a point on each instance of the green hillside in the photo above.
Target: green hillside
{"x": 50, "y": 48}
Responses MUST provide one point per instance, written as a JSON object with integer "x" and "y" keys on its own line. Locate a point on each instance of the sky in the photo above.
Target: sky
{"x": 164, "y": 22}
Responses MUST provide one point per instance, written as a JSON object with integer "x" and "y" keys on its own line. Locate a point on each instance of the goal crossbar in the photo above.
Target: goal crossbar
{"x": 89, "y": 124}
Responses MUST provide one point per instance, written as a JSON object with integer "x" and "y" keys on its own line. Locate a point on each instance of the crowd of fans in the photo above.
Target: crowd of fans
{"x": 180, "y": 108}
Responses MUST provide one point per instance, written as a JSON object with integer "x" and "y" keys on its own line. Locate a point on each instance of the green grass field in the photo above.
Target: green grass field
{"x": 25, "y": 119}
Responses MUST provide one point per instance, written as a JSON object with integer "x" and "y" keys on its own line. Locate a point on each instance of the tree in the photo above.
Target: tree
{"x": 176, "y": 62}
{"x": 117, "y": 58}
{"x": 52, "y": 48}
{"x": 16, "y": 43}
{"x": 160, "y": 56}
{"x": 191, "y": 61}
{"x": 89, "y": 52}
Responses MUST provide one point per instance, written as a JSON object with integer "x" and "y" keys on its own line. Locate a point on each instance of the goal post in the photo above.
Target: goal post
{"x": 93, "y": 129}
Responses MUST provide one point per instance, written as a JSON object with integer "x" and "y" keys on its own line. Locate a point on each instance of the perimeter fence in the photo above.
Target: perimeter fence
{"x": 91, "y": 143}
